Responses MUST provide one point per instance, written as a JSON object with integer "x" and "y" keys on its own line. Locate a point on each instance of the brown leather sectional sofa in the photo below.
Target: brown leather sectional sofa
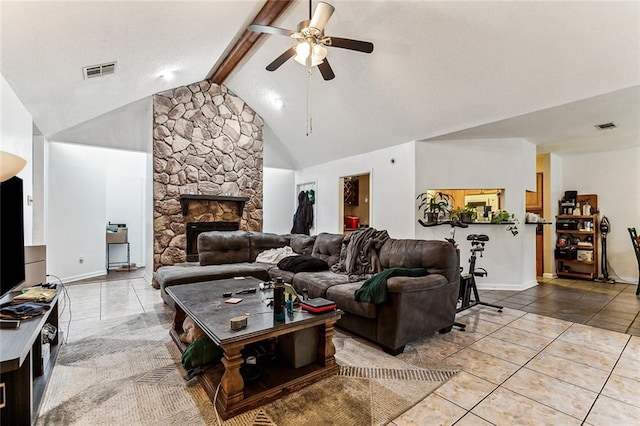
{"x": 416, "y": 306}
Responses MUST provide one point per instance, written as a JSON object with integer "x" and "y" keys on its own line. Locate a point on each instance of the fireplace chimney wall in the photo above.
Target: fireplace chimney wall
{"x": 206, "y": 141}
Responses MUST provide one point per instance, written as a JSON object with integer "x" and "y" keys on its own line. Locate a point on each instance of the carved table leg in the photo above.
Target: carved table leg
{"x": 178, "y": 319}
{"x": 326, "y": 350}
{"x": 232, "y": 385}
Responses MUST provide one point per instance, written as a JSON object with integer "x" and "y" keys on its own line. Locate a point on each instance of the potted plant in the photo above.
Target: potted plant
{"x": 503, "y": 216}
{"x": 434, "y": 205}
{"x": 468, "y": 214}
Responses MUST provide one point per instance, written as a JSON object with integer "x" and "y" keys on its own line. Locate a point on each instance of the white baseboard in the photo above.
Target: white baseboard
{"x": 507, "y": 286}
{"x": 84, "y": 276}
{"x": 148, "y": 278}
{"x": 551, "y": 275}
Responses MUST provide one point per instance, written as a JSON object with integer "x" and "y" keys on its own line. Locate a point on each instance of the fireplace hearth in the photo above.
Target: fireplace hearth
{"x": 196, "y": 228}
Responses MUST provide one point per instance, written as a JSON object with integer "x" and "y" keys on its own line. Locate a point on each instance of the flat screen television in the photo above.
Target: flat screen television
{"x": 12, "y": 271}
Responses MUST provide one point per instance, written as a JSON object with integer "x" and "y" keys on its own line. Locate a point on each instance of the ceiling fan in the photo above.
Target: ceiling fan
{"x": 311, "y": 46}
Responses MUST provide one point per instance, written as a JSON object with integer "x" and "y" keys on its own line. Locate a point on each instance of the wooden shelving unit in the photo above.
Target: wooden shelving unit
{"x": 576, "y": 259}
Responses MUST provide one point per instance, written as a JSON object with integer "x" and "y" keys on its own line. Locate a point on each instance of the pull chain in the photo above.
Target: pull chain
{"x": 310, "y": 74}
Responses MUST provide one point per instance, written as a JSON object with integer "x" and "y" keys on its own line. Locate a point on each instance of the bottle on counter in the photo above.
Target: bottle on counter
{"x": 278, "y": 300}
{"x": 290, "y": 305}
{"x": 577, "y": 211}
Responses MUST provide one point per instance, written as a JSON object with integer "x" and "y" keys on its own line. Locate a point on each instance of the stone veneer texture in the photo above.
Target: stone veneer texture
{"x": 206, "y": 140}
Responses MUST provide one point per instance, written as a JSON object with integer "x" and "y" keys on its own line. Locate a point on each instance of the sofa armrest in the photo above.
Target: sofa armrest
{"x": 416, "y": 308}
{"x": 414, "y": 284}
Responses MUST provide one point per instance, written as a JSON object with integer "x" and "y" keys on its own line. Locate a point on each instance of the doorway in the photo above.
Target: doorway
{"x": 355, "y": 202}
{"x": 535, "y": 204}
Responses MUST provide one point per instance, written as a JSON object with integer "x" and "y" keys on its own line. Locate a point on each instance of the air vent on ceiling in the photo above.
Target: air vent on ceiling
{"x": 606, "y": 126}
{"x": 99, "y": 70}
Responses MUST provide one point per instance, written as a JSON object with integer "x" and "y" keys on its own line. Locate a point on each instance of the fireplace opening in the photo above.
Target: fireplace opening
{"x": 196, "y": 228}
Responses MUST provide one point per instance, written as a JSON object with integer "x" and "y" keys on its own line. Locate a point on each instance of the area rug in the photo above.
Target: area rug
{"x": 129, "y": 373}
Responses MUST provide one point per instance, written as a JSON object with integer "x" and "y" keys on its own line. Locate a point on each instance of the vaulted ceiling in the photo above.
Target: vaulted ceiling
{"x": 545, "y": 71}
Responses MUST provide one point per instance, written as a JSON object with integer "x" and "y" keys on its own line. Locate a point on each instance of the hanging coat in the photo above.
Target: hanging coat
{"x": 303, "y": 218}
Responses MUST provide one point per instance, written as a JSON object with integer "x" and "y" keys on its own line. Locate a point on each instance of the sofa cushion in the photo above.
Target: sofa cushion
{"x": 287, "y": 276}
{"x": 260, "y": 241}
{"x": 216, "y": 247}
{"x": 343, "y": 295}
{"x": 185, "y": 274}
{"x": 317, "y": 283}
{"x": 302, "y": 244}
{"x": 439, "y": 257}
{"x": 302, "y": 263}
{"x": 327, "y": 247}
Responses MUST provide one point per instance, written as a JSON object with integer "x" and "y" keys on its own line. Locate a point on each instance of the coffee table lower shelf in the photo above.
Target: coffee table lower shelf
{"x": 276, "y": 380}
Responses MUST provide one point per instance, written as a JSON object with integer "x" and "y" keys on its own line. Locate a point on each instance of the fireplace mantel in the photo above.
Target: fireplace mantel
{"x": 186, "y": 198}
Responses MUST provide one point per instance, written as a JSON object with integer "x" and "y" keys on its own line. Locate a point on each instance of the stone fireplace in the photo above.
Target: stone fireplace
{"x": 207, "y": 163}
{"x": 204, "y": 213}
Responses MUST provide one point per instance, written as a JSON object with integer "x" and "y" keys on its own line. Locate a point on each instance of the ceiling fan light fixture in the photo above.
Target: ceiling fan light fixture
{"x": 321, "y": 16}
{"x": 319, "y": 52}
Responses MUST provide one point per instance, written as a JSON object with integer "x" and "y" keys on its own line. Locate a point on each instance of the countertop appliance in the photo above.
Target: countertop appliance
{"x": 483, "y": 203}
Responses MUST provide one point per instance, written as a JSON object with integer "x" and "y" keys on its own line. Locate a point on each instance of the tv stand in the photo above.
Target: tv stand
{"x": 24, "y": 371}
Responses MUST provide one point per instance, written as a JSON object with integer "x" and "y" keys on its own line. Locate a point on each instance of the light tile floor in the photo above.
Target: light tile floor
{"x": 518, "y": 367}
{"x": 525, "y": 369}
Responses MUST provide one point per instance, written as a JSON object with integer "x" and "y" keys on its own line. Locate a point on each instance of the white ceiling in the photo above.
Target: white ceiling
{"x": 545, "y": 71}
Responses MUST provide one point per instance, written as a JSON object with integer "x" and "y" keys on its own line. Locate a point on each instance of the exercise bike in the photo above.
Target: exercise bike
{"x": 468, "y": 281}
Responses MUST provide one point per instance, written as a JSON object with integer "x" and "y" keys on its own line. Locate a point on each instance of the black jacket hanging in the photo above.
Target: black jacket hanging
{"x": 303, "y": 218}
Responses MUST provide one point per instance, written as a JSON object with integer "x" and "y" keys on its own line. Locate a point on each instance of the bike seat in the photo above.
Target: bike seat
{"x": 477, "y": 237}
{"x": 480, "y": 272}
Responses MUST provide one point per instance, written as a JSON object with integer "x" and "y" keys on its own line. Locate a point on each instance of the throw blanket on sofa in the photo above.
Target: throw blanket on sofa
{"x": 374, "y": 290}
{"x": 303, "y": 264}
{"x": 275, "y": 255}
{"x": 359, "y": 255}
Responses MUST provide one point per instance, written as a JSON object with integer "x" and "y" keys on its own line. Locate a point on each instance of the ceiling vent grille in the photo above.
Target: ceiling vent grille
{"x": 101, "y": 70}
{"x": 606, "y": 126}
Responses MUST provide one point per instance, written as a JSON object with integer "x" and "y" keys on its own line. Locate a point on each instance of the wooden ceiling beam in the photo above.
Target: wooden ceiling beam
{"x": 271, "y": 10}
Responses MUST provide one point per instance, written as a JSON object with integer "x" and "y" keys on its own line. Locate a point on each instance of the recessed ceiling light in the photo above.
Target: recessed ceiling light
{"x": 278, "y": 103}
{"x": 606, "y": 126}
{"x": 167, "y": 75}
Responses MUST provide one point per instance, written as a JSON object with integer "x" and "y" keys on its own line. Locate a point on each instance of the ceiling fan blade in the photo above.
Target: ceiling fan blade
{"x": 321, "y": 15}
{"x": 270, "y": 30}
{"x": 288, "y": 54}
{"x": 347, "y": 43}
{"x": 326, "y": 71}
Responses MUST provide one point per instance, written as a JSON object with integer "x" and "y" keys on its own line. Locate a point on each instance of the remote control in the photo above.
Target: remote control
{"x": 246, "y": 291}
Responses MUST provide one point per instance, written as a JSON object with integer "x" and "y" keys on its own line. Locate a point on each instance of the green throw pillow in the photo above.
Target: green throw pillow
{"x": 202, "y": 351}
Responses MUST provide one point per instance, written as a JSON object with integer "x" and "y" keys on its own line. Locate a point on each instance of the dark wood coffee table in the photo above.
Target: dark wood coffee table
{"x": 205, "y": 304}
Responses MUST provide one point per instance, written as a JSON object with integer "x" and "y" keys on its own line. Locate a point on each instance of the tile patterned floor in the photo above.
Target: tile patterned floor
{"x": 610, "y": 306}
{"x": 524, "y": 369}
{"x": 557, "y": 354}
